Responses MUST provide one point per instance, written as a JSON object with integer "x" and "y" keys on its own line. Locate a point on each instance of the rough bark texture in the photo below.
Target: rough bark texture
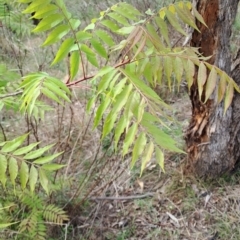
{"x": 212, "y": 137}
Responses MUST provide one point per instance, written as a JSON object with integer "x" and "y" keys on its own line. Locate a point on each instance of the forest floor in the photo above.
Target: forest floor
{"x": 158, "y": 205}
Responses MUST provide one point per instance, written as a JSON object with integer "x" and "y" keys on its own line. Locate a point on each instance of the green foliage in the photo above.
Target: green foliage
{"x": 130, "y": 106}
{"x": 26, "y": 169}
{"x": 131, "y": 54}
{"x": 26, "y": 163}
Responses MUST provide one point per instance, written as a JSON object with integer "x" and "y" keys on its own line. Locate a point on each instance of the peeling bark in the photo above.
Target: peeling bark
{"x": 212, "y": 137}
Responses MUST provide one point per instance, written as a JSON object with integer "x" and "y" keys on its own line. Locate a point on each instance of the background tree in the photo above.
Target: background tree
{"x": 213, "y": 137}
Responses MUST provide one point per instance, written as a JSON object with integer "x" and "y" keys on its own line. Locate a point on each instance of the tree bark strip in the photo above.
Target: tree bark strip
{"x": 212, "y": 137}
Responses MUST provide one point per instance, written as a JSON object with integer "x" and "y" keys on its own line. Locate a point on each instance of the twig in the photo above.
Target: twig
{"x": 11, "y": 94}
{"x": 132, "y": 197}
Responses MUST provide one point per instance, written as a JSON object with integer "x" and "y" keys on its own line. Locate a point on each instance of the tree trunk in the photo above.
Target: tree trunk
{"x": 213, "y": 139}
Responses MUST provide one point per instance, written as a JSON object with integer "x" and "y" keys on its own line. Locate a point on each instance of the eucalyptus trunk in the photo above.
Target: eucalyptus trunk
{"x": 213, "y": 138}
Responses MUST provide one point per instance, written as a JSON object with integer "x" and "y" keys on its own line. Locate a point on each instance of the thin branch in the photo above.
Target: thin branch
{"x": 92, "y": 76}
{"x": 11, "y": 94}
{"x": 132, "y": 197}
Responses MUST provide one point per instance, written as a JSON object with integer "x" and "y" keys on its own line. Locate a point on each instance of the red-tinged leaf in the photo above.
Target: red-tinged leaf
{"x": 211, "y": 83}
{"x": 202, "y": 77}
{"x": 228, "y": 97}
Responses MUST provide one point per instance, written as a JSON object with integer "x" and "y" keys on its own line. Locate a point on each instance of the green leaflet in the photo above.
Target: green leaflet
{"x": 57, "y": 34}
{"x": 130, "y": 136}
{"x": 202, "y": 77}
{"x": 168, "y": 68}
{"x": 5, "y": 225}
{"x": 10, "y": 146}
{"x": 46, "y": 11}
{"x": 125, "y": 30}
{"x": 174, "y": 22}
{"x": 59, "y": 83}
{"x": 43, "y": 180}
{"x": 211, "y": 84}
{"x": 119, "y": 18}
{"x": 161, "y": 138}
{"x": 47, "y": 159}
{"x": 24, "y": 174}
{"x": 101, "y": 109}
{"x": 130, "y": 105}
{"x": 120, "y": 126}
{"x": 121, "y": 99}
{"x": 105, "y": 37}
{"x": 148, "y": 151}
{"x": 50, "y": 95}
{"x": 74, "y": 23}
{"x": 49, "y": 22}
{"x": 140, "y": 110}
{"x": 189, "y": 72}
{"x": 198, "y": 16}
{"x": 25, "y": 150}
{"x": 154, "y": 38}
{"x": 33, "y": 177}
{"x": 108, "y": 124}
{"x": 3, "y": 169}
{"x": 118, "y": 88}
{"x": 63, "y": 50}
{"x": 186, "y": 16}
{"x": 126, "y": 10}
{"x": 91, "y": 56}
{"x": 106, "y": 80}
{"x": 110, "y": 25}
{"x": 37, "y": 153}
{"x": 163, "y": 28}
{"x": 99, "y": 48}
{"x": 178, "y": 69}
{"x": 13, "y": 169}
{"x": 83, "y": 36}
{"x": 160, "y": 158}
{"x": 52, "y": 166}
{"x": 51, "y": 86}
{"x": 35, "y": 6}
{"x": 143, "y": 88}
{"x": 74, "y": 64}
{"x": 138, "y": 148}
